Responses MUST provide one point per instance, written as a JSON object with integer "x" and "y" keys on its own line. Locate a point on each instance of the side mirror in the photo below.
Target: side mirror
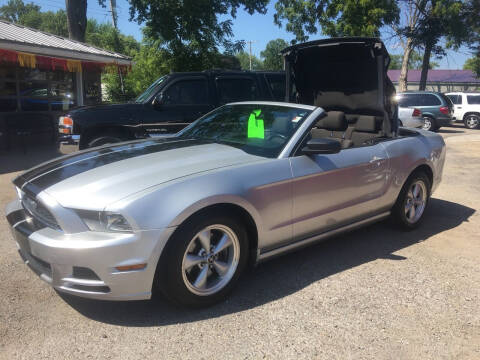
{"x": 322, "y": 146}
{"x": 158, "y": 101}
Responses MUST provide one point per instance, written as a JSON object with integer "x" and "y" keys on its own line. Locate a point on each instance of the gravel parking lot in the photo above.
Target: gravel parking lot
{"x": 374, "y": 293}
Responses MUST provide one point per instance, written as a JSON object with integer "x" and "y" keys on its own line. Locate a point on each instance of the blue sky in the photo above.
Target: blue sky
{"x": 257, "y": 28}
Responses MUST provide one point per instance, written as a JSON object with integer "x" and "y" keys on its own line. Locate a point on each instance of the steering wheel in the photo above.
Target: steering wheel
{"x": 277, "y": 135}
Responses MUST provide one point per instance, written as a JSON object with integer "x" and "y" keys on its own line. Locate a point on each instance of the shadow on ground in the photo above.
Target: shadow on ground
{"x": 450, "y": 131}
{"x": 287, "y": 274}
{"x": 17, "y": 160}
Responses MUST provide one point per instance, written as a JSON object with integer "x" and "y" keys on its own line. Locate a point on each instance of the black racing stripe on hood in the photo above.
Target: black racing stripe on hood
{"x": 73, "y": 166}
{"x": 72, "y": 158}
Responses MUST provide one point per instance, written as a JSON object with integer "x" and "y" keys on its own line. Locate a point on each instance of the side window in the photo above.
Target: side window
{"x": 236, "y": 89}
{"x": 186, "y": 92}
{"x": 473, "y": 99}
{"x": 430, "y": 100}
{"x": 277, "y": 85}
{"x": 456, "y": 99}
{"x": 407, "y": 100}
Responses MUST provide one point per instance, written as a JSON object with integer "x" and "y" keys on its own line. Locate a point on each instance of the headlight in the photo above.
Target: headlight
{"x": 104, "y": 221}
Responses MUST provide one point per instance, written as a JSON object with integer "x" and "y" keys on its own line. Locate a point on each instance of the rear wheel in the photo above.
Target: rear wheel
{"x": 203, "y": 261}
{"x": 429, "y": 124}
{"x": 472, "y": 121}
{"x": 409, "y": 209}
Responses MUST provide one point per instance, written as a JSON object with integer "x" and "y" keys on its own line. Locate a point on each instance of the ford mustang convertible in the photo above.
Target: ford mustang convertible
{"x": 184, "y": 215}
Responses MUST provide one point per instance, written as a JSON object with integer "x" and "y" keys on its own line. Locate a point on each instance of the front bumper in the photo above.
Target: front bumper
{"x": 84, "y": 264}
{"x": 69, "y": 139}
{"x": 444, "y": 121}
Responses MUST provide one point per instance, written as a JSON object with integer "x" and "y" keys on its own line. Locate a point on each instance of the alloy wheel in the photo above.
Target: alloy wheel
{"x": 427, "y": 123}
{"x": 211, "y": 259}
{"x": 416, "y": 201}
{"x": 472, "y": 121}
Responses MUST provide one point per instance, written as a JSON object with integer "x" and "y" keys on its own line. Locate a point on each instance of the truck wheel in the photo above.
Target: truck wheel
{"x": 409, "y": 209}
{"x": 429, "y": 124}
{"x": 105, "y": 139}
{"x": 203, "y": 260}
{"x": 472, "y": 121}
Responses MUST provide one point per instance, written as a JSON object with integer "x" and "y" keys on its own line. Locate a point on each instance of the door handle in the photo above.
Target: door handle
{"x": 459, "y": 107}
{"x": 376, "y": 159}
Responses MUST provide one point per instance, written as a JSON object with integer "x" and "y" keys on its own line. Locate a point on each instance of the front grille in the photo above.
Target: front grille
{"x": 39, "y": 212}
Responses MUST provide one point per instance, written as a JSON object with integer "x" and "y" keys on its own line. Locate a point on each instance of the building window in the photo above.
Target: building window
{"x": 24, "y": 89}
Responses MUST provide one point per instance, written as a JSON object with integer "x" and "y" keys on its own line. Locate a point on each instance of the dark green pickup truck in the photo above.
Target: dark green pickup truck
{"x": 168, "y": 105}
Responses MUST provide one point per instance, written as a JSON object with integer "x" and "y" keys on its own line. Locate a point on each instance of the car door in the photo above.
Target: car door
{"x": 181, "y": 102}
{"x": 333, "y": 190}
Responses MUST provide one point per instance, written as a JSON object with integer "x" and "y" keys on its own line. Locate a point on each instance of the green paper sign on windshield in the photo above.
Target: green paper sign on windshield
{"x": 255, "y": 125}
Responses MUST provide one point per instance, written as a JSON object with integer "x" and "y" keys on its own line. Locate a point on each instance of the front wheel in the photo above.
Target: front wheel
{"x": 429, "y": 124}
{"x": 472, "y": 121}
{"x": 409, "y": 209}
{"x": 203, "y": 261}
{"x": 104, "y": 140}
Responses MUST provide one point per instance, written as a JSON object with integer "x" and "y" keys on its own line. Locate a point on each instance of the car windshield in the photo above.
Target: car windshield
{"x": 150, "y": 91}
{"x": 257, "y": 129}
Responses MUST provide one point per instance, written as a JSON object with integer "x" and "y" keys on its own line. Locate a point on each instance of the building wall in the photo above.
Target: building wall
{"x": 31, "y": 100}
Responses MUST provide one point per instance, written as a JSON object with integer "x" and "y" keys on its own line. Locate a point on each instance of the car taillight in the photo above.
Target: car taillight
{"x": 417, "y": 113}
{"x": 445, "y": 110}
{"x": 65, "y": 125}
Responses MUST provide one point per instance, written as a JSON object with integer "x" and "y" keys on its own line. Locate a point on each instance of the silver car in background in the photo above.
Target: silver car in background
{"x": 410, "y": 117}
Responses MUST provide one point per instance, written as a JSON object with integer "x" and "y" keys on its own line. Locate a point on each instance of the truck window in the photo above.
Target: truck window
{"x": 456, "y": 99}
{"x": 473, "y": 99}
{"x": 277, "y": 85}
{"x": 236, "y": 89}
{"x": 186, "y": 92}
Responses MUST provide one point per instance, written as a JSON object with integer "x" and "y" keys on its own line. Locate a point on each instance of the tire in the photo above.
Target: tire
{"x": 429, "y": 124}
{"x": 472, "y": 121}
{"x": 188, "y": 275}
{"x": 409, "y": 209}
{"x": 105, "y": 139}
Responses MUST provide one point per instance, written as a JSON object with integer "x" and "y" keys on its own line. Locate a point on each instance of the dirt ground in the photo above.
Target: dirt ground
{"x": 374, "y": 293}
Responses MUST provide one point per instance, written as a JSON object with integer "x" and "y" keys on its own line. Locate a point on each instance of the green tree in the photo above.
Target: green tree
{"x": 14, "y": 10}
{"x": 335, "y": 17}
{"x": 473, "y": 64}
{"x": 272, "y": 59}
{"x": 415, "y": 61}
{"x": 244, "y": 59}
{"x": 440, "y": 19}
{"x": 193, "y": 30}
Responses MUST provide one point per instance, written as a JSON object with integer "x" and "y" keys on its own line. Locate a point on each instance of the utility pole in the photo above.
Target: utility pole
{"x": 113, "y": 10}
{"x": 250, "y": 52}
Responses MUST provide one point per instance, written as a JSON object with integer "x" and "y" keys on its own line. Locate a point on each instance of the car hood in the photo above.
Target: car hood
{"x": 95, "y": 178}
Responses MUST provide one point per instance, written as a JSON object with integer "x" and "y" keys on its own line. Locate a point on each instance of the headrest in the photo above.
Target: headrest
{"x": 334, "y": 121}
{"x": 367, "y": 124}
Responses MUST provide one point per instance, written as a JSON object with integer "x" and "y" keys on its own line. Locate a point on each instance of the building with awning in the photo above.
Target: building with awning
{"x": 44, "y": 75}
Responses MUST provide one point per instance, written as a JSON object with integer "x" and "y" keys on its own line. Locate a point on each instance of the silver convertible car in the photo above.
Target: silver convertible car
{"x": 184, "y": 215}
